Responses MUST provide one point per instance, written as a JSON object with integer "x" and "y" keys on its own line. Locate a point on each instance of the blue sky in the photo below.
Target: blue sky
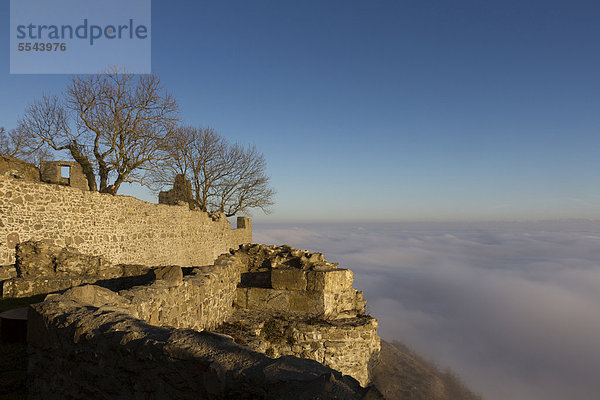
{"x": 388, "y": 110}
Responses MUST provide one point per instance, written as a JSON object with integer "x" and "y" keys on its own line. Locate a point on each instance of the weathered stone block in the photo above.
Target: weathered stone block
{"x": 35, "y": 259}
{"x": 268, "y": 299}
{"x": 305, "y": 302}
{"x": 18, "y": 287}
{"x": 285, "y": 301}
{"x": 12, "y": 239}
{"x": 69, "y": 262}
{"x": 343, "y": 304}
{"x": 39, "y": 259}
{"x": 7, "y": 272}
{"x": 95, "y": 295}
{"x": 330, "y": 281}
{"x": 172, "y": 274}
{"x": 288, "y": 279}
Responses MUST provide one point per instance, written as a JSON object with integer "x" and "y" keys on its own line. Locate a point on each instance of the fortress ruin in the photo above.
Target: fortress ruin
{"x": 157, "y": 300}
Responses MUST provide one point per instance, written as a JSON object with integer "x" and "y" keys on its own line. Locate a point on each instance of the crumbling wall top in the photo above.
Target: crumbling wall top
{"x": 180, "y": 193}
{"x": 11, "y": 167}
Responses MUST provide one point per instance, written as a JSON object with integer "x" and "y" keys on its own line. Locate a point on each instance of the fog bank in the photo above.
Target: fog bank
{"x": 513, "y": 308}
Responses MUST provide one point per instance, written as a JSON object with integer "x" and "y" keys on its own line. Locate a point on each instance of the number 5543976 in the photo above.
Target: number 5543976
{"x": 42, "y": 46}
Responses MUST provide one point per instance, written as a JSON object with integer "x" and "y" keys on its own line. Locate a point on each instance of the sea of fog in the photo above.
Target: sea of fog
{"x": 513, "y": 308}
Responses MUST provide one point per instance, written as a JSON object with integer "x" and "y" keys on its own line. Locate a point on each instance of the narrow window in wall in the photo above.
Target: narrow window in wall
{"x": 65, "y": 171}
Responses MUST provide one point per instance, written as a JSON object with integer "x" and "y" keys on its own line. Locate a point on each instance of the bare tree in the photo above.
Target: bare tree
{"x": 244, "y": 184}
{"x": 115, "y": 125}
{"x": 6, "y": 144}
{"x": 17, "y": 143}
{"x": 225, "y": 177}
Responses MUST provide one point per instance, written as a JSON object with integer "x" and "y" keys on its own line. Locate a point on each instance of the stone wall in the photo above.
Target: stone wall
{"x": 40, "y": 269}
{"x": 342, "y": 337}
{"x": 78, "y": 350}
{"x": 14, "y": 168}
{"x": 348, "y": 345}
{"x": 293, "y": 302}
{"x": 51, "y": 172}
{"x": 202, "y": 300}
{"x": 123, "y": 229}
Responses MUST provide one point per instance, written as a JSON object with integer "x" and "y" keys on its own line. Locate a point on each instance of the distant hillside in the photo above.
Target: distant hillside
{"x": 400, "y": 374}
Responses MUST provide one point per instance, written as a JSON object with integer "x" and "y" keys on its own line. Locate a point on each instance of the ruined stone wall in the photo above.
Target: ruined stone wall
{"x": 122, "y": 229}
{"x": 202, "y": 300}
{"x": 51, "y": 172}
{"x": 329, "y": 294}
{"x": 342, "y": 337}
{"x": 42, "y": 269}
{"x": 118, "y": 356}
{"x": 348, "y": 345}
{"x": 293, "y": 302}
{"x": 14, "y": 168}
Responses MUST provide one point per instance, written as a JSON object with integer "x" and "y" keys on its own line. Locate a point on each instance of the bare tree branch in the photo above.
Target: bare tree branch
{"x": 227, "y": 178}
{"x": 115, "y": 125}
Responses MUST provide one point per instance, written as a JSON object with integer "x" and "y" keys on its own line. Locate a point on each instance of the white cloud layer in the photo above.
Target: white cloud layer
{"x": 513, "y": 308}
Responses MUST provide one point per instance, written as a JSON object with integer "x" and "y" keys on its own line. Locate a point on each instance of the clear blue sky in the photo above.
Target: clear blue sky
{"x": 395, "y": 110}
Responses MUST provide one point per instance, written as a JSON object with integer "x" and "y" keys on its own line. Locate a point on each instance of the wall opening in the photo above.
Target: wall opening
{"x": 65, "y": 171}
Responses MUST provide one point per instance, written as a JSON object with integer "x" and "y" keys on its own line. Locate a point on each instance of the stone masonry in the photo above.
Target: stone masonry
{"x": 14, "y": 168}
{"x": 122, "y": 229}
{"x": 342, "y": 337}
{"x": 41, "y": 269}
{"x": 293, "y": 302}
{"x": 180, "y": 193}
{"x": 161, "y": 276}
{"x": 348, "y": 345}
{"x": 118, "y": 356}
{"x": 51, "y": 172}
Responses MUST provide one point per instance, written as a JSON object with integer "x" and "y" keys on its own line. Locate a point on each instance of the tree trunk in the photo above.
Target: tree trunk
{"x": 86, "y": 166}
{"x": 120, "y": 179}
{"x": 103, "y": 173}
